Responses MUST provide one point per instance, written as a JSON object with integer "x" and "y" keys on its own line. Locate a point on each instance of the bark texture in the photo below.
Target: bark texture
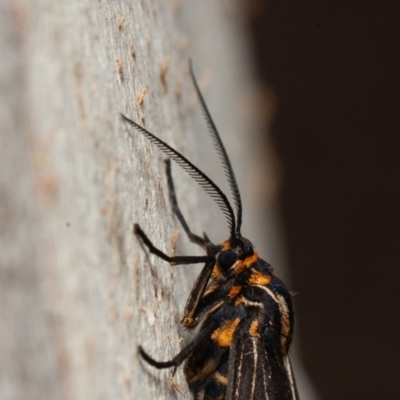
{"x": 77, "y": 291}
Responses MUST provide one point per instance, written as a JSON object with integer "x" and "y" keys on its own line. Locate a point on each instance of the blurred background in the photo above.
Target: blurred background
{"x": 333, "y": 68}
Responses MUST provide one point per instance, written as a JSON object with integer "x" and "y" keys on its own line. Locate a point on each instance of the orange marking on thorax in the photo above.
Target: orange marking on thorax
{"x": 257, "y": 278}
{"x": 226, "y": 246}
{"x": 241, "y": 266}
{"x": 254, "y": 328}
{"x": 252, "y": 259}
{"x": 234, "y": 291}
{"x": 223, "y": 335}
{"x": 216, "y": 272}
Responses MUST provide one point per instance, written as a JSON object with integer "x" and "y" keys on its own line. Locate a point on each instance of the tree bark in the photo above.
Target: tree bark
{"x": 78, "y": 293}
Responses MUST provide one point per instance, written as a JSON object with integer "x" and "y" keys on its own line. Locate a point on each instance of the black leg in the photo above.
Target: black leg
{"x": 176, "y": 260}
{"x": 193, "y": 237}
{"x": 184, "y": 353}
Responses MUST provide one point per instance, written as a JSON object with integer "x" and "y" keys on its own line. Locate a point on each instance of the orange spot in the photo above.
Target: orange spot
{"x": 252, "y": 259}
{"x": 223, "y": 336}
{"x": 254, "y": 327}
{"x": 234, "y": 291}
{"x": 257, "y": 278}
{"x": 216, "y": 272}
{"x": 240, "y": 267}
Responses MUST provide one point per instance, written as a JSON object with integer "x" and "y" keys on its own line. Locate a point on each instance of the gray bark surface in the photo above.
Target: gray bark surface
{"x": 78, "y": 293}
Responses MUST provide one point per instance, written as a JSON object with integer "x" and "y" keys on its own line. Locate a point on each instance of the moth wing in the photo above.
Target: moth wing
{"x": 247, "y": 377}
{"x": 289, "y": 370}
{"x": 254, "y": 374}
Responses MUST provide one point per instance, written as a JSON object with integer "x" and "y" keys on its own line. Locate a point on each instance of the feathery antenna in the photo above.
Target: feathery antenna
{"x": 200, "y": 177}
{"x": 230, "y": 175}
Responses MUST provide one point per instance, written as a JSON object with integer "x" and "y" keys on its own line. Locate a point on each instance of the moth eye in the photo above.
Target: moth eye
{"x": 226, "y": 259}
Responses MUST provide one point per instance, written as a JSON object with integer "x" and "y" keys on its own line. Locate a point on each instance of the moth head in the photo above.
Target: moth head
{"x": 233, "y": 252}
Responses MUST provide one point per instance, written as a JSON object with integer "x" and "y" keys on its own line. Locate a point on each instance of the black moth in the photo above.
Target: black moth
{"x": 241, "y": 349}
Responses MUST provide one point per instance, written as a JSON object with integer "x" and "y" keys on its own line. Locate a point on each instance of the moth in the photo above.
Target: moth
{"x": 245, "y": 312}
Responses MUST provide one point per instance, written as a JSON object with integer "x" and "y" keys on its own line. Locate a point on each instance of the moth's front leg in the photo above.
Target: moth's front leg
{"x": 175, "y": 260}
